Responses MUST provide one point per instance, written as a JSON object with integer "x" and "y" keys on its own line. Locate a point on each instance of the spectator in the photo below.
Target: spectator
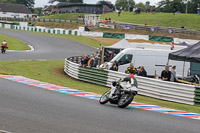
{"x": 142, "y": 71}
{"x": 83, "y": 61}
{"x": 154, "y": 10}
{"x": 97, "y": 58}
{"x": 97, "y": 54}
{"x": 131, "y": 69}
{"x": 173, "y": 74}
{"x": 106, "y": 20}
{"x": 149, "y": 8}
{"x": 91, "y": 61}
{"x": 166, "y": 74}
{"x": 114, "y": 66}
{"x": 120, "y": 8}
{"x": 109, "y": 20}
{"x": 86, "y": 60}
{"x": 119, "y": 12}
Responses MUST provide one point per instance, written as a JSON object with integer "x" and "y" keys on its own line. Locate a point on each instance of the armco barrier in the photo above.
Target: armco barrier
{"x": 40, "y": 20}
{"x": 93, "y": 75}
{"x": 169, "y": 91}
{"x": 197, "y": 96}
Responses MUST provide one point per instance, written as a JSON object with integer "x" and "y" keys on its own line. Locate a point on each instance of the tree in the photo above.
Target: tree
{"x": 70, "y": 1}
{"x": 121, "y": 3}
{"x": 131, "y": 3}
{"x": 7, "y": 1}
{"x": 147, "y": 3}
{"x": 171, "y": 6}
{"x": 193, "y": 5}
{"x": 141, "y": 6}
{"x": 38, "y": 11}
{"x": 28, "y": 3}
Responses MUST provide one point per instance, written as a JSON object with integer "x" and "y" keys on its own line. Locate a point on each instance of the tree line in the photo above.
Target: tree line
{"x": 162, "y": 6}
{"x": 28, "y": 3}
{"x": 169, "y": 6}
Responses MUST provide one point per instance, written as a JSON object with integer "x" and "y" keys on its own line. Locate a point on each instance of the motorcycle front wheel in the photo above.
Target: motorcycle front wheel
{"x": 104, "y": 98}
{"x": 125, "y": 100}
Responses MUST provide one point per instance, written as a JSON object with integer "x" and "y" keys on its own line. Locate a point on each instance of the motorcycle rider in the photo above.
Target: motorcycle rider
{"x": 131, "y": 83}
{"x": 128, "y": 83}
{"x": 4, "y": 46}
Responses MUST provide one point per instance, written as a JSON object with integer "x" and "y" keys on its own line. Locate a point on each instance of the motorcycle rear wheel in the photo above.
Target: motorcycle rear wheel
{"x": 125, "y": 100}
{"x": 104, "y": 98}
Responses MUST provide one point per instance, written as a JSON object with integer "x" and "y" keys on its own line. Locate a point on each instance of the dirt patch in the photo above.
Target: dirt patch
{"x": 107, "y": 41}
{"x": 145, "y": 41}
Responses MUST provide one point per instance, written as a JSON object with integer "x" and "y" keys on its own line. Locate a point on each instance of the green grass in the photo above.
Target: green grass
{"x": 52, "y": 72}
{"x": 190, "y": 21}
{"x": 65, "y": 16}
{"x": 58, "y": 25}
{"x": 14, "y": 44}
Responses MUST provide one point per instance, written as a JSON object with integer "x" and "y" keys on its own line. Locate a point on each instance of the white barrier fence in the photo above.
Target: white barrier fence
{"x": 155, "y": 88}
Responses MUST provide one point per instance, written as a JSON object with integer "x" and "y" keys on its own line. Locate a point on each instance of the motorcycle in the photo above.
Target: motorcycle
{"x": 119, "y": 94}
{"x": 3, "y": 49}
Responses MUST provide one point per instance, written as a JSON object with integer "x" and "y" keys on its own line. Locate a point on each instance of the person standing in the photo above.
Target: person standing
{"x": 131, "y": 69}
{"x": 142, "y": 71}
{"x": 114, "y": 66}
{"x": 166, "y": 74}
{"x": 172, "y": 45}
{"x": 173, "y": 74}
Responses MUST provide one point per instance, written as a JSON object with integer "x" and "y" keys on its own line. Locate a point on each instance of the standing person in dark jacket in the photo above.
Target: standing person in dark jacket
{"x": 86, "y": 60}
{"x": 142, "y": 71}
{"x": 82, "y": 61}
{"x": 166, "y": 74}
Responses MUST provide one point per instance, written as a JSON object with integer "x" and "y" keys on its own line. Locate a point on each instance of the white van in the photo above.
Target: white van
{"x": 152, "y": 60}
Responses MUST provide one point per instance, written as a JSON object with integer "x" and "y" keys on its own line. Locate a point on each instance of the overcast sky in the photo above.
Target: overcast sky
{"x": 41, "y": 3}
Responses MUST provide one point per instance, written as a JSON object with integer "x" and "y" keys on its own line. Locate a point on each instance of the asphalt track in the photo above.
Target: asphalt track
{"x": 46, "y": 47}
{"x": 28, "y": 109}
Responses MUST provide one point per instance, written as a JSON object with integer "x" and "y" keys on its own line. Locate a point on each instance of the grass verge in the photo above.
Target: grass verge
{"x": 14, "y": 44}
{"x": 58, "y": 25}
{"x": 52, "y": 72}
{"x": 190, "y": 21}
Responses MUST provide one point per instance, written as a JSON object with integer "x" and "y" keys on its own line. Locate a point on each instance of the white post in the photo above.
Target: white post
{"x": 183, "y": 70}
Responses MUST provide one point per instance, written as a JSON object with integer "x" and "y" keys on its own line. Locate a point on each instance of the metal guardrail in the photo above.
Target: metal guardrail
{"x": 169, "y": 91}
{"x": 121, "y": 25}
{"x": 40, "y": 20}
